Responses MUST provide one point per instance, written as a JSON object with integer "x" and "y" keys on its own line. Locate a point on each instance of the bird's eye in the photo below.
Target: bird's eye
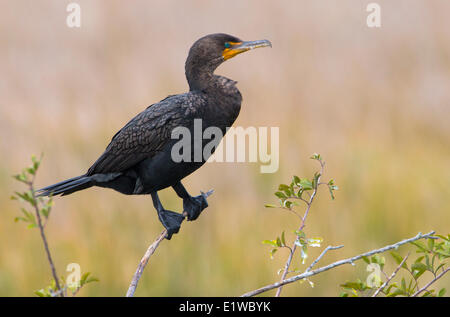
{"x": 227, "y": 45}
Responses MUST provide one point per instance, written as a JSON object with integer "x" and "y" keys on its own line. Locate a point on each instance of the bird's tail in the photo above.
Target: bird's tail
{"x": 67, "y": 187}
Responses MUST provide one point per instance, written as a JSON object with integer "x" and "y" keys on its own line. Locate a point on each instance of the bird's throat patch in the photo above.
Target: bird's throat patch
{"x": 232, "y": 52}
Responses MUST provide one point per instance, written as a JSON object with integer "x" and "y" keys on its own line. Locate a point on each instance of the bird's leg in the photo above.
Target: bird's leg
{"x": 169, "y": 219}
{"x": 193, "y": 206}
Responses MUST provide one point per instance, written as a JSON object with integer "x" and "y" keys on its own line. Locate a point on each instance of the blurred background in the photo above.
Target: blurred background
{"x": 375, "y": 102}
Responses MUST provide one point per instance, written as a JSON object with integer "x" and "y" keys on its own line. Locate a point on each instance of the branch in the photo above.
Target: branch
{"x": 150, "y": 250}
{"x": 137, "y": 275}
{"x": 321, "y": 256}
{"x": 339, "y": 263}
{"x": 390, "y": 277}
{"x": 431, "y": 282}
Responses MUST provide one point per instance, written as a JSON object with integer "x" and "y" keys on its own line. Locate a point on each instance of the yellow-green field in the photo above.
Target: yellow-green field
{"x": 374, "y": 102}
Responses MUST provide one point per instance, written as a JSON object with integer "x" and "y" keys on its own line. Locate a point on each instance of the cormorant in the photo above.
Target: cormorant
{"x": 138, "y": 158}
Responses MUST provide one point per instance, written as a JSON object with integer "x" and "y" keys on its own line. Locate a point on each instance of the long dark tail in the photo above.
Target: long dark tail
{"x": 67, "y": 187}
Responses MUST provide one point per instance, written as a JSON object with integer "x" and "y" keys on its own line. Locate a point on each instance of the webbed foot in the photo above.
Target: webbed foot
{"x": 171, "y": 221}
{"x": 194, "y": 206}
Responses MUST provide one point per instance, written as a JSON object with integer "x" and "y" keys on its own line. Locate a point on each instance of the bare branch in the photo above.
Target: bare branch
{"x": 339, "y": 263}
{"x": 321, "y": 256}
{"x": 137, "y": 275}
{"x": 150, "y": 250}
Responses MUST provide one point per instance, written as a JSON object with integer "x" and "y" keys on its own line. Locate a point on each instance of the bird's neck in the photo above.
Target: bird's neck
{"x": 199, "y": 80}
{"x": 200, "y": 74}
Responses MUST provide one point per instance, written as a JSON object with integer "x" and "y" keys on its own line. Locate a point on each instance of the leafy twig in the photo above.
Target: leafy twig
{"x": 294, "y": 245}
{"x": 44, "y": 238}
{"x": 431, "y": 282}
{"x": 390, "y": 277}
{"x": 34, "y": 201}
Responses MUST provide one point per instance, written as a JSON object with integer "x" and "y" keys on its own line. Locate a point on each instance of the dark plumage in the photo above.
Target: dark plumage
{"x": 138, "y": 158}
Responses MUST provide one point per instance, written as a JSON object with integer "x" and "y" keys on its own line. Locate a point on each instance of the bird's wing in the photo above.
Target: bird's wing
{"x": 147, "y": 133}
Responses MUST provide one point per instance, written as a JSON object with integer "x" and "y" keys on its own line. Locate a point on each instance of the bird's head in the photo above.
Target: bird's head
{"x": 207, "y": 53}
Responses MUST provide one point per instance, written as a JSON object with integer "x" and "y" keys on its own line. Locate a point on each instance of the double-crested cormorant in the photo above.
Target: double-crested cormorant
{"x": 138, "y": 158}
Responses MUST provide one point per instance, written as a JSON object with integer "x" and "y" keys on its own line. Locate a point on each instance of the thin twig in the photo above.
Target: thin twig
{"x": 137, "y": 275}
{"x": 431, "y": 282}
{"x": 294, "y": 245}
{"x": 321, "y": 256}
{"x": 390, "y": 277}
{"x": 338, "y": 263}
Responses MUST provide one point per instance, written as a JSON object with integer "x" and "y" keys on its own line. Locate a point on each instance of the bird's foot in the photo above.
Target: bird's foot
{"x": 171, "y": 221}
{"x": 193, "y": 206}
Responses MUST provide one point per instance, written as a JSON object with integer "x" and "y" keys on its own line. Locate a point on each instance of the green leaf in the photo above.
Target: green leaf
{"x": 380, "y": 260}
{"x": 270, "y": 206}
{"x": 306, "y": 184}
{"x": 36, "y": 162}
{"x": 315, "y": 181}
{"x": 27, "y": 196}
{"x": 357, "y": 285}
{"x": 283, "y": 239}
{"x": 440, "y": 265}
{"x": 85, "y": 279}
{"x": 331, "y": 192}
{"x": 92, "y": 279}
{"x": 420, "y": 245}
{"x": 397, "y": 292}
{"x": 418, "y": 269}
{"x": 431, "y": 244}
{"x": 270, "y": 242}
{"x": 17, "y": 219}
{"x": 45, "y": 211}
{"x": 443, "y": 237}
{"x": 286, "y": 189}
{"x": 280, "y": 195}
{"x": 30, "y": 170}
{"x": 21, "y": 178}
{"x": 366, "y": 259}
{"x": 272, "y": 252}
{"x": 441, "y": 292}
{"x": 398, "y": 258}
{"x": 388, "y": 290}
{"x": 288, "y": 204}
{"x": 279, "y": 244}
{"x": 42, "y": 293}
{"x": 403, "y": 285}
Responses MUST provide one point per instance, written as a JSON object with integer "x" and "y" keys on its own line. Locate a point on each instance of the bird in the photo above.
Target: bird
{"x": 138, "y": 160}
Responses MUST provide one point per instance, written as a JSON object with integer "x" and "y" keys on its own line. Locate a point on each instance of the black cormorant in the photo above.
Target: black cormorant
{"x": 138, "y": 158}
